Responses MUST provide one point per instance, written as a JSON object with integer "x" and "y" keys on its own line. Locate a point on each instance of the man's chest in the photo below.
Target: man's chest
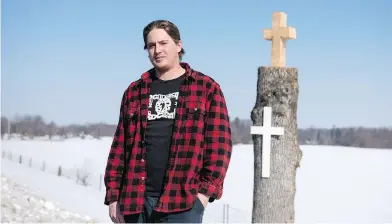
{"x": 163, "y": 101}
{"x": 177, "y": 102}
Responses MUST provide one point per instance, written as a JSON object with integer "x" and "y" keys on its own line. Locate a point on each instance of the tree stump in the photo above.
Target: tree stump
{"x": 273, "y": 197}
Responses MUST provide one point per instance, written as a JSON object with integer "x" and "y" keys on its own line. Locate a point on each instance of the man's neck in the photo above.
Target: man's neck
{"x": 171, "y": 73}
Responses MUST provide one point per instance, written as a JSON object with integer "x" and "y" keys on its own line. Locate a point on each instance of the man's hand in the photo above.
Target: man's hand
{"x": 204, "y": 199}
{"x": 115, "y": 213}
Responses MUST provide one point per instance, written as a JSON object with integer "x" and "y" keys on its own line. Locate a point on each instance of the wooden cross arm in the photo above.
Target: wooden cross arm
{"x": 284, "y": 32}
{"x": 288, "y": 33}
{"x": 267, "y": 34}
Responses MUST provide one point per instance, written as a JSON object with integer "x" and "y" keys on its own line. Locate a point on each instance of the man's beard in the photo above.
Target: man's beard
{"x": 163, "y": 69}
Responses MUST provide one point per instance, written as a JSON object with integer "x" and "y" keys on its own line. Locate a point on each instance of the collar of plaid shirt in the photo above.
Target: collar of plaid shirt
{"x": 189, "y": 73}
{"x": 200, "y": 152}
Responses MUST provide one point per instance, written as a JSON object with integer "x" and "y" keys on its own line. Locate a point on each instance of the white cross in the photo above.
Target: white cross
{"x": 267, "y": 131}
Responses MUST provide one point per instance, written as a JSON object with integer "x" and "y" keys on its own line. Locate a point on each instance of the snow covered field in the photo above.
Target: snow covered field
{"x": 19, "y": 205}
{"x": 334, "y": 184}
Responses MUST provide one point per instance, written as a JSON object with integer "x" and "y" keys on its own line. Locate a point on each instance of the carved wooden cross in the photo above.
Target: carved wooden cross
{"x": 279, "y": 34}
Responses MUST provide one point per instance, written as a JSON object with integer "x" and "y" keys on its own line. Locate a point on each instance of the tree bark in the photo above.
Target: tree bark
{"x": 273, "y": 197}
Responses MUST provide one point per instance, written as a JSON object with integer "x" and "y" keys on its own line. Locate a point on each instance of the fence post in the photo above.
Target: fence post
{"x": 228, "y": 212}
{"x": 224, "y": 211}
{"x": 100, "y": 182}
{"x": 20, "y": 159}
{"x": 59, "y": 171}
{"x": 77, "y": 175}
{"x": 43, "y": 166}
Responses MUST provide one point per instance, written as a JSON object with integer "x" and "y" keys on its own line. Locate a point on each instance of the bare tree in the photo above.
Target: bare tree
{"x": 51, "y": 130}
{"x": 273, "y": 200}
{"x": 5, "y": 126}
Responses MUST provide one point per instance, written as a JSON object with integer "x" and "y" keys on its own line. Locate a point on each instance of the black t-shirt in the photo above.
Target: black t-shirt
{"x": 161, "y": 114}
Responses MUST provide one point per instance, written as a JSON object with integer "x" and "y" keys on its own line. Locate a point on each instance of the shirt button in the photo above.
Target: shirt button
{"x": 143, "y": 178}
{"x": 142, "y": 160}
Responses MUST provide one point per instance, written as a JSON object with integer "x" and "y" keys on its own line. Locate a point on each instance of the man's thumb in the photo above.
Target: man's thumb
{"x": 120, "y": 217}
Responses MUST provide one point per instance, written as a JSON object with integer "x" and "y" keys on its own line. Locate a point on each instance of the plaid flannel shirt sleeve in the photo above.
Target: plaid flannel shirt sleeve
{"x": 115, "y": 163}
{"x": 218, "y": 146}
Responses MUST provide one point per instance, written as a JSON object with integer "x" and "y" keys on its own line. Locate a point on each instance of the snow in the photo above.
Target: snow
{"x": 20, "y": 205}
{"x": 334, "y": 184}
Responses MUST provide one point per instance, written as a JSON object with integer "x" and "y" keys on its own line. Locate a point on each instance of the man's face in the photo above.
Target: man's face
{"x": 162, "y": 50}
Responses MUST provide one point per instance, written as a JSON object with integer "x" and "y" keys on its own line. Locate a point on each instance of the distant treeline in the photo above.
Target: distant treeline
{"x": 33, "y": 126}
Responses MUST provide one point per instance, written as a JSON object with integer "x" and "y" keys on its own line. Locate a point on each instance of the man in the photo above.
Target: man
{"x": 172, "y": 146}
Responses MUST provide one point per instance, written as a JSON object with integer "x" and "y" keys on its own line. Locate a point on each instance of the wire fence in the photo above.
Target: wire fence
{"x": 82, "y": 176}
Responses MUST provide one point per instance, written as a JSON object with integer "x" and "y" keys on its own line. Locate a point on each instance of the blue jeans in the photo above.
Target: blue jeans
{"x": 149, "y": 215}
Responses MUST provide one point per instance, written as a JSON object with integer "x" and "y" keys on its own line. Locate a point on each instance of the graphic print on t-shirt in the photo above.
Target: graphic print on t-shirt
{"x": 162, "y": 106}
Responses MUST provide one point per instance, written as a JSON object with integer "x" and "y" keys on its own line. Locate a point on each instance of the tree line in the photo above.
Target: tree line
{"x": 31, "y": 126}
{"x": 340, "y": 136}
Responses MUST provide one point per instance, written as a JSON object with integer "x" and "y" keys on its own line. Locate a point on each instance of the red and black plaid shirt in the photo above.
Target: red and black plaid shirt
{"x": 200, "y": 151}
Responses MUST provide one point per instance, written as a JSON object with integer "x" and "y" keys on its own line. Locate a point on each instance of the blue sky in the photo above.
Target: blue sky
{"x": 71, "y": 60}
